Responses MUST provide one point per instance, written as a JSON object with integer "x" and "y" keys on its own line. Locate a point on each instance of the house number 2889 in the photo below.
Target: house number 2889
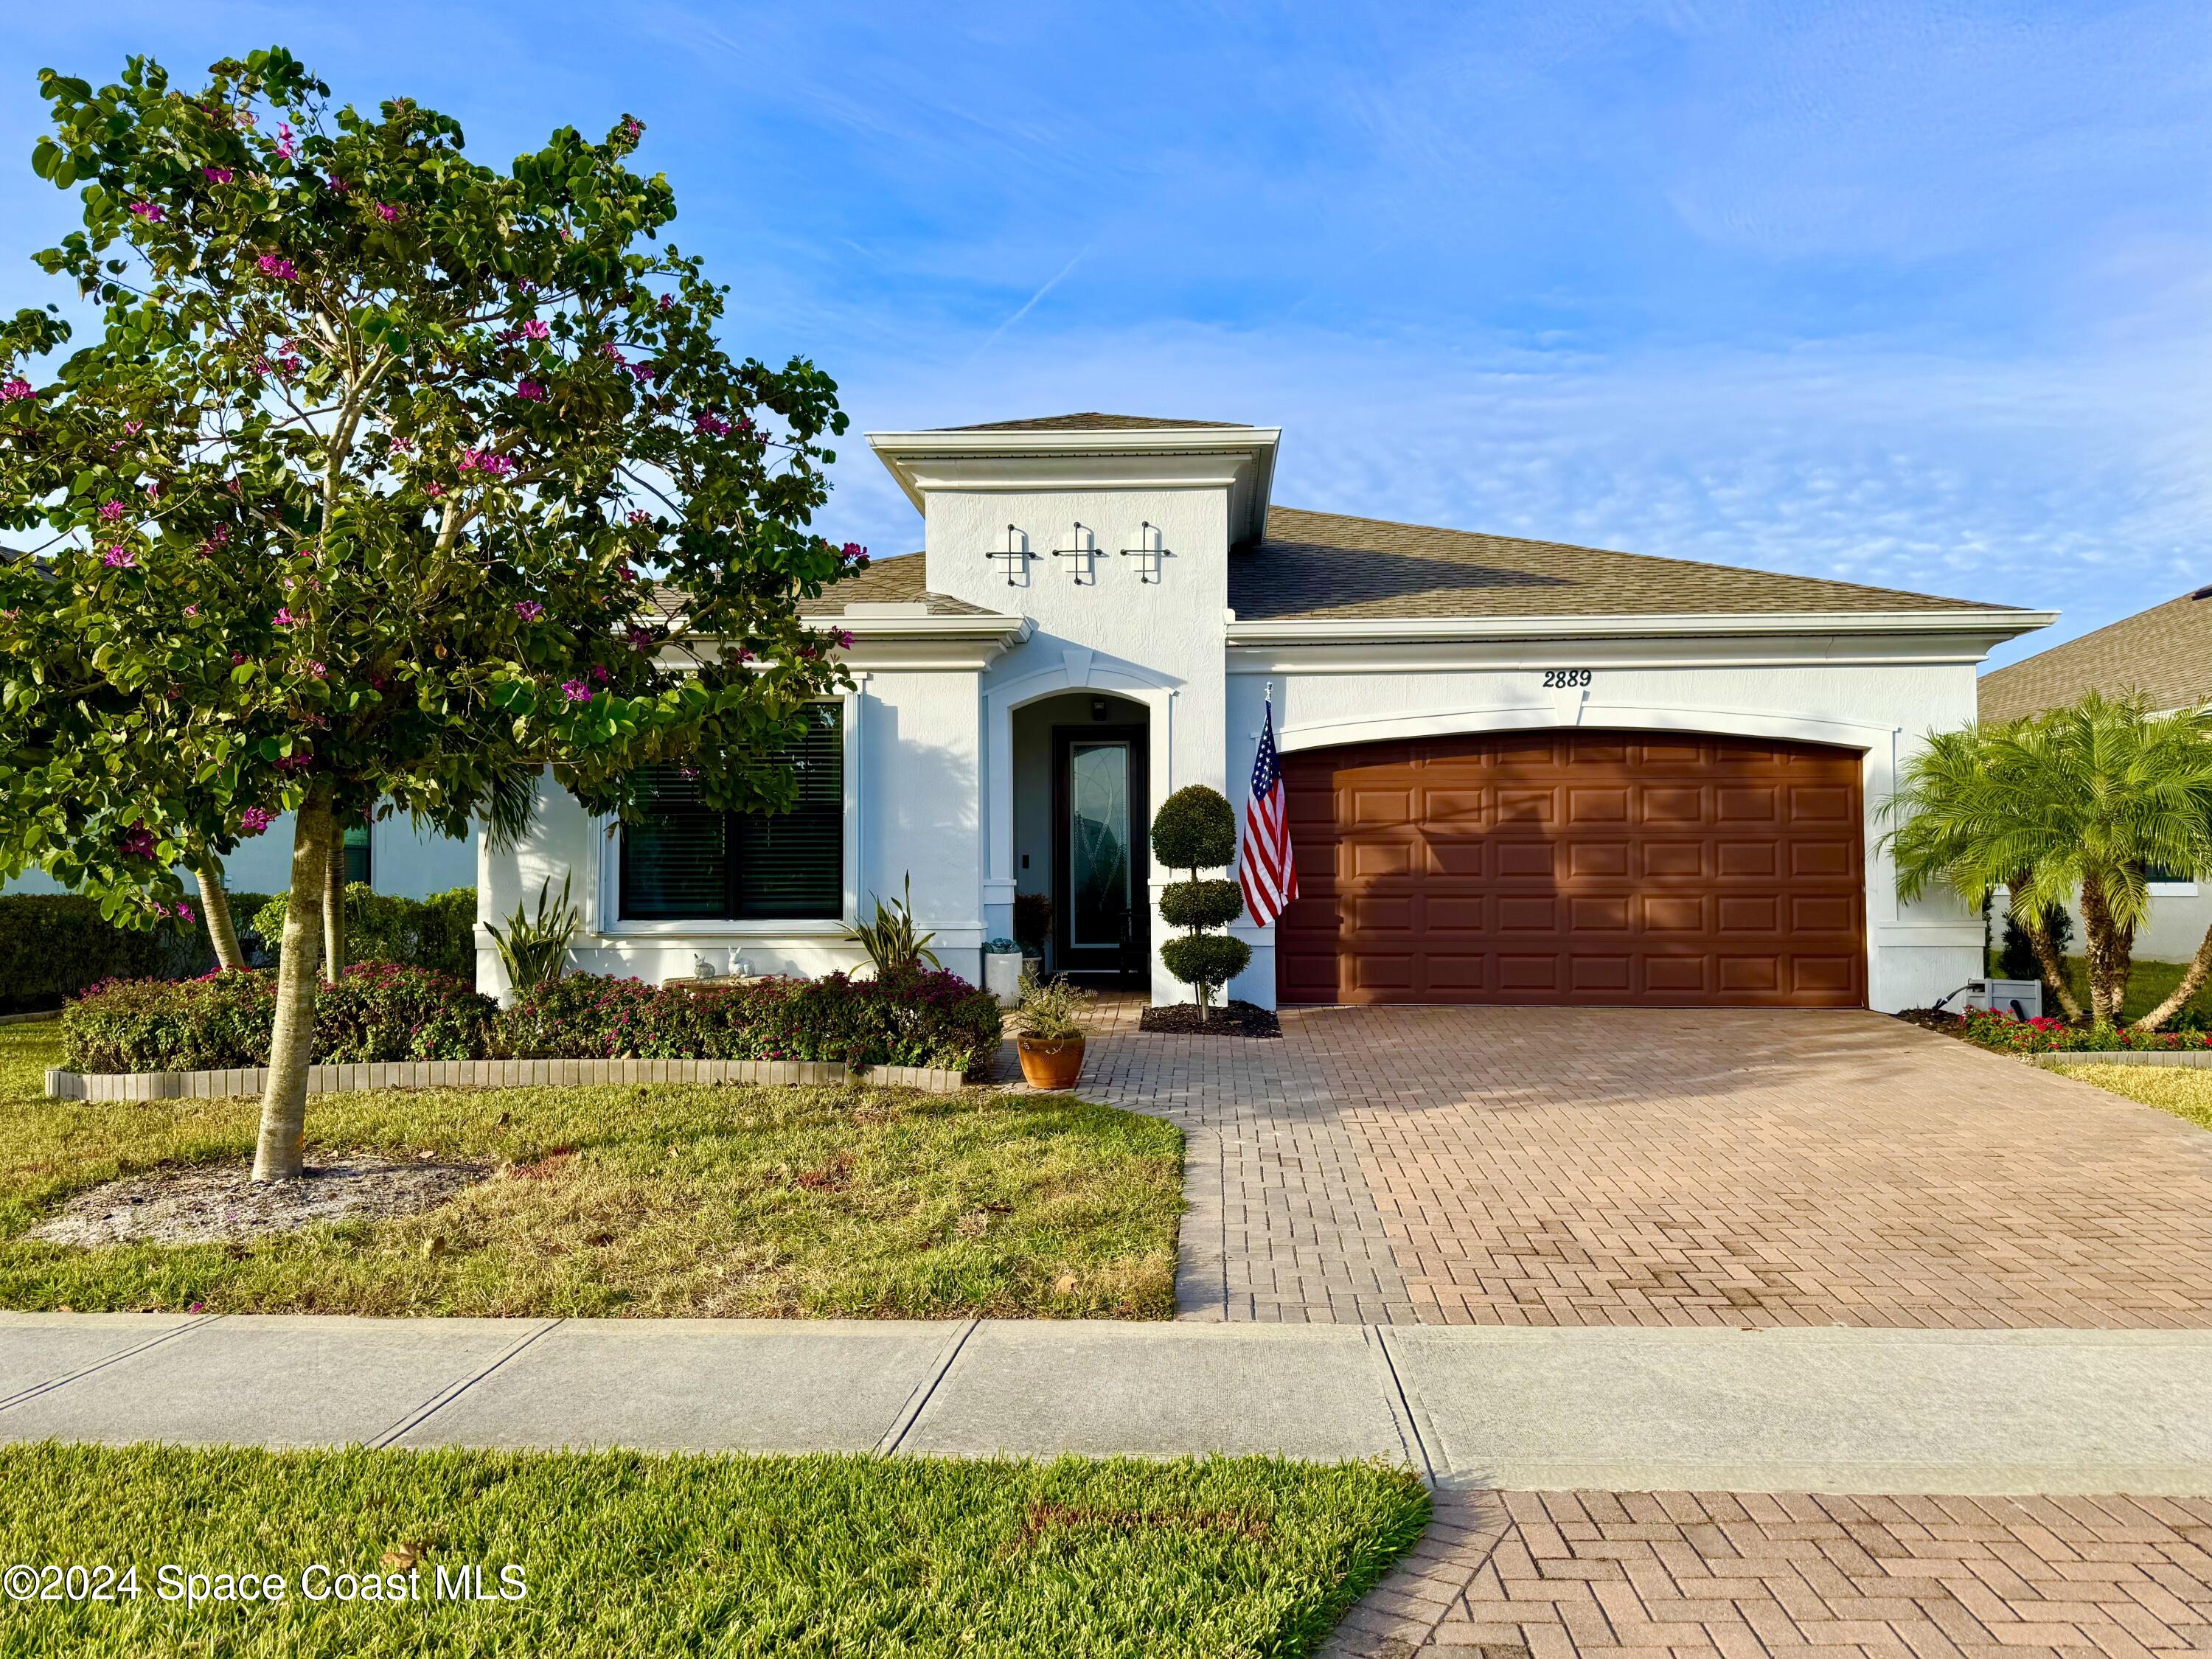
{"x": 1565, "y": 679}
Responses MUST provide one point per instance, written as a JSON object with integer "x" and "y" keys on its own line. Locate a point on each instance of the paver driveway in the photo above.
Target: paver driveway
{"x": 1632, "y": 1166}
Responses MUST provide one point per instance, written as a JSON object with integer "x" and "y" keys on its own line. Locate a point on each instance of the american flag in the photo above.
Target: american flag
{"x": 1270, "y": 880}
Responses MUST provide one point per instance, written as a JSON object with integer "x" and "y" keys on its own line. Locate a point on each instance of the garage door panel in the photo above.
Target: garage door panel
{"x": 1566, "y": 866}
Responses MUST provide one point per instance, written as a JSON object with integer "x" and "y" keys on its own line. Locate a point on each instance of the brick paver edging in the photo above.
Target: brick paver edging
{"x": 491, "y": 1074}
{"x": 2121, "y": 1057}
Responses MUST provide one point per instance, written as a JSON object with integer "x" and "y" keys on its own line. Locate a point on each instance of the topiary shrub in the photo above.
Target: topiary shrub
{"x": 1195, "y": 830}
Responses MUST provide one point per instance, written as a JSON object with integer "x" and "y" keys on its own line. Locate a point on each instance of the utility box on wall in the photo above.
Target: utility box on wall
{"x": 2020, "y": 998}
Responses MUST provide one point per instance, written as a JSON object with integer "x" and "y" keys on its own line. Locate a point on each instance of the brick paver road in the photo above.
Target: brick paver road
{"x": 1664, "y": 1167}
{"x": 1721, "y": 1576}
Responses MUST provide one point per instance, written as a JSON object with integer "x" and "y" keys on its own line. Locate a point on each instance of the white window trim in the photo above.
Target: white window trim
{"x": 2171, "y": 889}
{"x": 606, "y": 918}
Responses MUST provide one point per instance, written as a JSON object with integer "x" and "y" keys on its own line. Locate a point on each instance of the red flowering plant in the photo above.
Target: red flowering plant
{"x": 2044, "y": 1034}
{"x": 360, "y": 499}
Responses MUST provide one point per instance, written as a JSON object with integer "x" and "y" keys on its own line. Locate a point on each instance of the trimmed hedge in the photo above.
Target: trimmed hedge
{"x": 53, "y": 945}
{"x": 383, "y": 1012}
{"x": 915, "y": 1017}
{"x": 438, "y": 932}
{"x": 376, "y": 1010}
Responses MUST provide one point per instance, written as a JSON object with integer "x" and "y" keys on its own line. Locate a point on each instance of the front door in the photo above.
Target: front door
{"x": 1101, "y": 899}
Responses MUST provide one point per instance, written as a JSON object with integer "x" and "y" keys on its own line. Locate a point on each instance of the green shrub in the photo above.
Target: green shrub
{"x": 1195, "y": 828}
{"x": 1200, "y": 904}
{"x": 376, "y": 1011}
{"x": 438, "y": 932}
{"x": 53, "y": 945}
{"x": 912, "y": 1018}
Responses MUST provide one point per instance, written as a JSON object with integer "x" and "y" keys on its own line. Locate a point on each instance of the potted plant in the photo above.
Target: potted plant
{"x": 1032, "y": 928}
{"x": 1048, "y": 1033}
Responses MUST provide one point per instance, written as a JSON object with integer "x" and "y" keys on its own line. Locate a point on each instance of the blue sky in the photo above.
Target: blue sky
{"x": 1912, "y": 293}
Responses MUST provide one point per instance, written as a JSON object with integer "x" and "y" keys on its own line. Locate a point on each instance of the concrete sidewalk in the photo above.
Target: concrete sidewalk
{"x": 1832, "y": 1410}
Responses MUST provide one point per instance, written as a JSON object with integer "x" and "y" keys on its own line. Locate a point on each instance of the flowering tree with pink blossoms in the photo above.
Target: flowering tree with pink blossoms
{"x": 362, "y": 496}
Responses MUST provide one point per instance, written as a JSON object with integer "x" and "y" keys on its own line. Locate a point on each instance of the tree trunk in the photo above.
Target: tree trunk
{"x": 215, "y": 905}
{"x": 2054, "y": 967}
{"x": 334, "y": 921}
{"x": 284, "y": 1104}
{"x": 2200, "y": 967}
{"x": 2109, "y": 948}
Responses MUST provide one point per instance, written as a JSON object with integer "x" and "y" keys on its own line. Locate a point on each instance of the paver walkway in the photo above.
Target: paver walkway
{"x": 1717, "y": 1576}
{"x": 1664, "y": 1167}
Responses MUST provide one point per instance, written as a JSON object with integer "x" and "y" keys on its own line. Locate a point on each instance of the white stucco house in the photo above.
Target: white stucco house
{"x": 1518, "y": 771}
{"x": 2164, "y": 653}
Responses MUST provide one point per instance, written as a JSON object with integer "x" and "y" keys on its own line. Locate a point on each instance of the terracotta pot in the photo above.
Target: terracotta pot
{"x": 1051, "y": 1063}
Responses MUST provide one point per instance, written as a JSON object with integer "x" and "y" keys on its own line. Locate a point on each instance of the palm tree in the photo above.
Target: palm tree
{"x": 2083, "y": 801}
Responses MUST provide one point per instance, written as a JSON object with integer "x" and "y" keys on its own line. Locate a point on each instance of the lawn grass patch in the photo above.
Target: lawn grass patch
{"x": 2149, "y": 983}
{"x": 637, "y": 1554}
{"x": 636, "y": 1200}
{"x": 2184, "y": 1090}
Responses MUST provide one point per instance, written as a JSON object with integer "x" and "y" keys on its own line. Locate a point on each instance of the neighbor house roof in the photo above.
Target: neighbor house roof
{"x": 2164, "y": 652}
{"x": 1322, "y": 566}
{"x": 1092, "y": 421}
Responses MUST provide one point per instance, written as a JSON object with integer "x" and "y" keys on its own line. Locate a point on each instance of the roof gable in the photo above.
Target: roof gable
{"x": 1091, "y": 421}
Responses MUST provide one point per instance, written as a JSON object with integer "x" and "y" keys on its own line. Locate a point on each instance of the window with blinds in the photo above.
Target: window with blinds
{"x": 687, "y": 863}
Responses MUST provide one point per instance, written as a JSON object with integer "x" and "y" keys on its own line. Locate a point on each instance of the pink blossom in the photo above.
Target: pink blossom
{"x": 153, "y": 488}
{"x": 217, "y": 175}
{"x": 482, "y": 460}
{"x": 640, "y": 639}
{"x": 15, "y": 390}
{"x": 119, "y": 558}
{"x": 845, "y": 638}
{"x": 339, "y": 185}
{"x": 386, "y": 212}
{"x": 246, "y": 118}
{"x": 667, "y": 300}
{"x": 260, "y": 365}
{"x": 599, "y": 675}
{"x": 111, "y": 510}
{"x": 714, "y": 424}
{"x": 401, "y": 444}
{"x": 237, "y": 659}
{"x": 185, "y": 912}
{"x": 316, "y": 669}
{"x": 296, "y": 762}
{"x": 529, "y": 610}
{"x": 576, "y": 691}
{"x": 277, "y": 265}
{"x": 285, "y": 147}
{"x": 530, "y": 391}
{"x": 138, "y": 843}
{"x": 643, "y": 371}
{"x": 284, "y": 618}
{"x": 434, "y": 488}
{"x": 254, "y": 819}
{"x": 639, "y": 515}
{"x": 611, "y": 351}
{"x": 632, "y": 129}
{"x": 134, "y": 428}
{"x": 192, "y": 611}
{"x": 149, "y": 211}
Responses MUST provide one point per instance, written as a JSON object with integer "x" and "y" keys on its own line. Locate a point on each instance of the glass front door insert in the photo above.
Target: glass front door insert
{"x": 1100, "y": 885}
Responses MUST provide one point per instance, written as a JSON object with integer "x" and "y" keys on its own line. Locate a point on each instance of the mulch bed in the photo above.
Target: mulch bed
{"x": 1238, "y": 1019}
{"x": 210, "y": 1203}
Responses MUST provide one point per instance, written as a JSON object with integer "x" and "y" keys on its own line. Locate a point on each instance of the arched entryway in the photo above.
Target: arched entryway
{"x": 1573, "y": 866}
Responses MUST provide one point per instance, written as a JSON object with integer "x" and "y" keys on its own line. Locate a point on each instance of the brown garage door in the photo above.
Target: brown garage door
{"x": 1576, "y": 867}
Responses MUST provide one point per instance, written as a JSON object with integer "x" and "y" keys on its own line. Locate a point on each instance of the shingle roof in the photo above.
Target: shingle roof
{"x": 1086, "y": 422}
{"x": 2164, "y": 652}
{"x": 1323, "y": 565}
{"x": 893, "y": 580}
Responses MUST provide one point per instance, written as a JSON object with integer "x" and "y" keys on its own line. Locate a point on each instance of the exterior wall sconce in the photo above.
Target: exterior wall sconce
{"x": 1151, "y": 548}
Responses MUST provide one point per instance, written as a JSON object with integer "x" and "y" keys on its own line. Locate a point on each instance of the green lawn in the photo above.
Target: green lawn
{"x": 2185, "y": 1090}
{"x": 646, "y": 1201}
{"x": 2148, "y": 984}
{"x": 630, "y": 1554}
